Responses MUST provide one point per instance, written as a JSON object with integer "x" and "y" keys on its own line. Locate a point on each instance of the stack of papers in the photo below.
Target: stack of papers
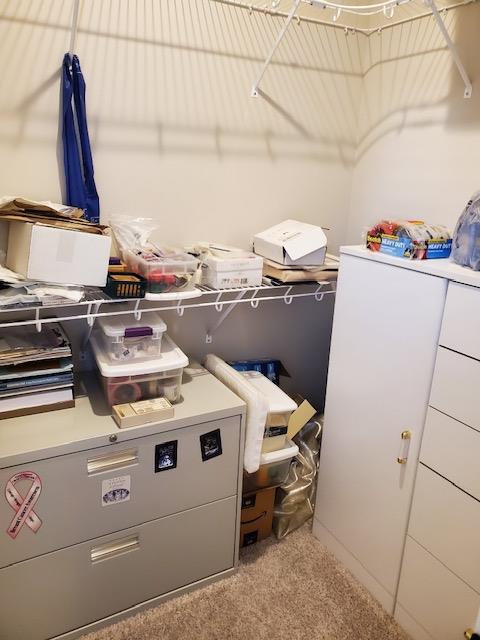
{"x": 282, "y": 273}
{"x": 36, "y": 370}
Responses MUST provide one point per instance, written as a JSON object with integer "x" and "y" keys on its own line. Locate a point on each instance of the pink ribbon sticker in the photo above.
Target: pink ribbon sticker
{"x": 23, "y": 506}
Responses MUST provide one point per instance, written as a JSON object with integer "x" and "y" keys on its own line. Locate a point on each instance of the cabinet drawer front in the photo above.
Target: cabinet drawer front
{"x": 84, "y": 495}
{"x": 73, "y": 587}
{"x": 453, "y": 450}
{"x": 434, "y": 597}
{"x": 460, "y": 320}
{"x": 446, "y": 522}
{"x": 455, "y": 389}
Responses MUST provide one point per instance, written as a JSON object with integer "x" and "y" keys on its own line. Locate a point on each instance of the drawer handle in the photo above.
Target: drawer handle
{"x": 406, "y": 437}
{"x": 113, "y": 549}
{"x": 112, "y": 461}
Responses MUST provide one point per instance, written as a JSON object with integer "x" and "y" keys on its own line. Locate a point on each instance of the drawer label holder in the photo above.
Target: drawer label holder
{"x": 23, "y": 506}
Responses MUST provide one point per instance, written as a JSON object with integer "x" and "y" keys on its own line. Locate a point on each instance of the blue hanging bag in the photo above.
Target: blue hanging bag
{"x": 77, "y": 155}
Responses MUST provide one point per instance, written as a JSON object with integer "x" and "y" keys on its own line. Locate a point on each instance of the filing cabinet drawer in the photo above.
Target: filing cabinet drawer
{"x": 67, "y": 589}
{"x": 456, "y": 387}
{"x": 434, "y": 597}
{"x": 446, "y": 522}
{"x": 93, "y": 493}
{"x": 460, "y": 320}
{"x": 453, "y": 450}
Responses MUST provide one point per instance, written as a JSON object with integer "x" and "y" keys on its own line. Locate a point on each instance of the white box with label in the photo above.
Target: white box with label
{"x": 50, "y": 254}
{"x": 292, "y": 243}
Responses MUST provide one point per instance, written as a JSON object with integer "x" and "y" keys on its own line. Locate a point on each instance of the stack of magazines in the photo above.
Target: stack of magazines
{"x": 36, "y": 370}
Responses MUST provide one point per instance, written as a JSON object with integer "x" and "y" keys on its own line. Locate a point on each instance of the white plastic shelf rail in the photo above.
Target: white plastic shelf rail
{"x": 97, "y": 304}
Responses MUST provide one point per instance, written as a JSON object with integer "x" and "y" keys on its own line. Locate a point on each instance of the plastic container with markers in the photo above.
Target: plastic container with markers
{"x": 141, "y": 380}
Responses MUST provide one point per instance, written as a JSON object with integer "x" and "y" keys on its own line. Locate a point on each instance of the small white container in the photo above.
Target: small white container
{"x": 273, "y": 470}
{"x": 227, "y": 267}
{"x": 280, "y": 405}
{"x": 133, "y": 381}
{"x": 125, "y": 339}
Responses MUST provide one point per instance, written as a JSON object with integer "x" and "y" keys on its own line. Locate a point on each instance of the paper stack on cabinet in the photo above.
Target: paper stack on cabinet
{"x": 36, "y": 371}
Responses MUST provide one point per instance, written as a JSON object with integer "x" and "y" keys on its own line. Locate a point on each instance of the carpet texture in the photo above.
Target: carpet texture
{"x": 288, "y": 590}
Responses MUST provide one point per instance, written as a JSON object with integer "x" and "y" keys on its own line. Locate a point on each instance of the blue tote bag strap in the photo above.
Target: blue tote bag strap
{"x": 75, "y": 190}
{"x": 92, "y": 204}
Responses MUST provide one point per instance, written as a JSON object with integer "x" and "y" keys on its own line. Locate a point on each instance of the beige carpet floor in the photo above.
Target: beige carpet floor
{"x": 288, "y": 590}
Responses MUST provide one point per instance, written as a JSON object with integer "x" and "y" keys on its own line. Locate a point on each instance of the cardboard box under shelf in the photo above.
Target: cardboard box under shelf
{"x": 256, "y": 516}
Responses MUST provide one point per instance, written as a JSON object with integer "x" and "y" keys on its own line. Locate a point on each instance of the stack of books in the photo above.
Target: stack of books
{"x": 36, "y": 371}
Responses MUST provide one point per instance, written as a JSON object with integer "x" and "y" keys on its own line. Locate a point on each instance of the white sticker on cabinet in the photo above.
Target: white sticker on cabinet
{"x": 115, "y": 490}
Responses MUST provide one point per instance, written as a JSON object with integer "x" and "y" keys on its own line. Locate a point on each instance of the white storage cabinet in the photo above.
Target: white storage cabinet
{"x": 127, "y": 517}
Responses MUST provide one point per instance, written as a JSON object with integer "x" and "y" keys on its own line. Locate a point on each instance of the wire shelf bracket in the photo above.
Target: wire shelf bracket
{"x": 453, "y": 49}
{"x": 387, "y": 6}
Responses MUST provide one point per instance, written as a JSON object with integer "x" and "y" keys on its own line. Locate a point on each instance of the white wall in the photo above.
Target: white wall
{"x": 174, "y": 130}
{"x": 418, "y": 150}
{"x": 176, "y": 136}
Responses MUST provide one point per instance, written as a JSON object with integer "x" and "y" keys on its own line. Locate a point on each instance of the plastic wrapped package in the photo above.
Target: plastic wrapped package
{"x": 466, "y": 237}
{"x": 413, "y": 239}
{"x": 296, "y": 496}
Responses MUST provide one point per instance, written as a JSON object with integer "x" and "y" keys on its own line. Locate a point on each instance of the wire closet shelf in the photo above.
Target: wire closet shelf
{"x": 96, "y": 304}
{"x": 386, "y": 9}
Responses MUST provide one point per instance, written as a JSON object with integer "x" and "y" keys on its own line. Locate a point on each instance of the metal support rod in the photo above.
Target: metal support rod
{"x": 283, "y": 31}
{"x": 223, "y": 317}
{"x": 452, "y": 47}
{"x": 73, "y": 31}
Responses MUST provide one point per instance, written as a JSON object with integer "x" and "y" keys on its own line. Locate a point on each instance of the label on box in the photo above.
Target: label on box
{"x": 115, "y": 490}
{"x": 439, "y": 249}
{"x": 395, "y": 246}
{"x": 271, "y": 432}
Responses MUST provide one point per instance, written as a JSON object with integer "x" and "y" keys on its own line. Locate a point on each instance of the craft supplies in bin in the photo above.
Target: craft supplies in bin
{"x": 273, "y": 469}
{"x": 126, "y": 285}
{"x": 141, "y": 380}
{"x": 125, "y": 339}
{"x": 410, "y": 239}
{"x": 166, "y": 270}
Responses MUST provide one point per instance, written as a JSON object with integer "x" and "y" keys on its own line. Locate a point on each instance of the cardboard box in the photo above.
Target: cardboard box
{"x": 256, "y": 516}
{"x": 50, "y": 254}
{"x": 292, "y": 243}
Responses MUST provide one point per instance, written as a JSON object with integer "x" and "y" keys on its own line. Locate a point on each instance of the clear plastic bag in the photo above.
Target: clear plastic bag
{"x": 466, "y": 237}
{"x": 296, "y": 496}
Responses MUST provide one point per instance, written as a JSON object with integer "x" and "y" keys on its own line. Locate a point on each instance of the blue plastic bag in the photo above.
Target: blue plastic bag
{"x": 466, "y": 237}
{"x": 77, "y": 155}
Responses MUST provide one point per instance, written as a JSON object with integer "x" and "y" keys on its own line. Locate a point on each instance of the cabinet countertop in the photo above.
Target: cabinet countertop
{"x": 90, "y": 424}
{"x": 442, "y": 268}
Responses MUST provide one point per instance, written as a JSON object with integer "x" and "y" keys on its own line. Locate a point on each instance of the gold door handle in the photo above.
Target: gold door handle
{"x": 406, "y": 437}
{"x": 471, "y": 635}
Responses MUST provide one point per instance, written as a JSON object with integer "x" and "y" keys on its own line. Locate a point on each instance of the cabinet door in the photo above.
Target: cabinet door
{"x": 385, "y": 333}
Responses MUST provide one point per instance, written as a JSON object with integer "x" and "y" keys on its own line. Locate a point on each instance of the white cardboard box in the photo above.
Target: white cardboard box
{"x": 51, "y": 254}
{"x": 292, "y": 243}
{"x": 227, "y": 267}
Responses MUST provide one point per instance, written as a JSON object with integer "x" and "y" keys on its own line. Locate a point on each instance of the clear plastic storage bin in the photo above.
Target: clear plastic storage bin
{"x": 129, "y": 382}
{"x": 273, "y": 469}
{"x": 171, "y": 272}
{"x": 125, "y": 339}
{"x": 280, "y": 405}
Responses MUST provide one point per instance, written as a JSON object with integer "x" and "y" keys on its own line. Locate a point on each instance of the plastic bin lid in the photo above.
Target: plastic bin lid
{"x": 278, "y": 401}
{"x": 118, "y": 326}
{"x": 170, "y": 359}
{"x": 290, "y": 450}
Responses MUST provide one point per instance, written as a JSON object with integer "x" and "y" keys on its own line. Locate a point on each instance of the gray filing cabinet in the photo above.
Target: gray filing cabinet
{"x": 121, "y": 518}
